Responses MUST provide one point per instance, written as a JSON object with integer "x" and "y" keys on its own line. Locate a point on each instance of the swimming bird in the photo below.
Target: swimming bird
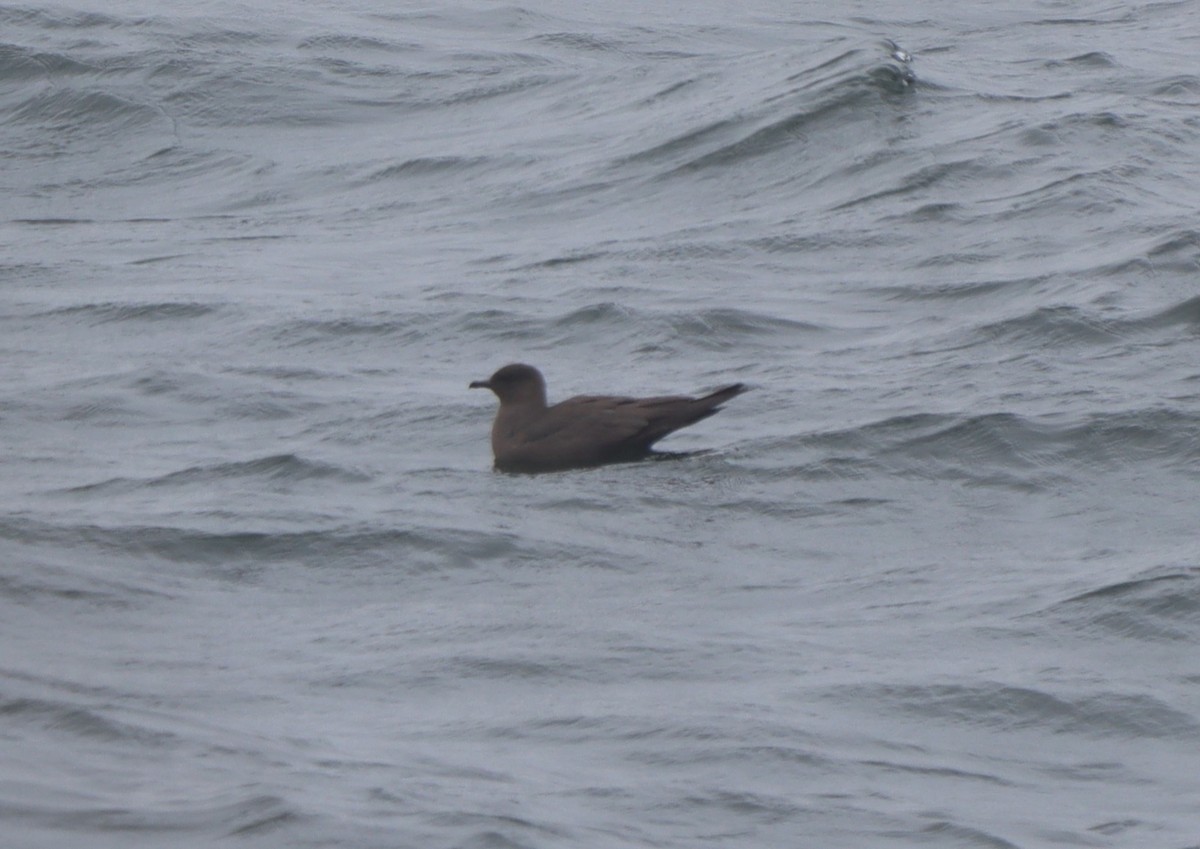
{"x": 587, "y": 430}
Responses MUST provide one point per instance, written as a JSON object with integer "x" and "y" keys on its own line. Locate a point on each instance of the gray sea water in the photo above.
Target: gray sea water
{"x": 934, "y": 582}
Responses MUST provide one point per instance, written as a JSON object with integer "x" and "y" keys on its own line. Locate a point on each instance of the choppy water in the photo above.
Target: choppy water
{"x": 936, "y": 583}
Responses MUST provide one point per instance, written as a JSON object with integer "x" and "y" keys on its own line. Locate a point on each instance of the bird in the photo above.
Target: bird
{"x": 529, "y": 436}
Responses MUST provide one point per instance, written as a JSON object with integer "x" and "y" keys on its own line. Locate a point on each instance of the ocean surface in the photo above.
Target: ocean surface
{"x": 934, "y": 582}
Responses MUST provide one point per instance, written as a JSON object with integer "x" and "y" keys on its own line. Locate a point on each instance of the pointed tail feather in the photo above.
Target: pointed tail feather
{"x": 720, "y": 396}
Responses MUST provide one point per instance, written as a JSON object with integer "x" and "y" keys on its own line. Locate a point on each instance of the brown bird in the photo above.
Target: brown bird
{"x": 587, "y": 430}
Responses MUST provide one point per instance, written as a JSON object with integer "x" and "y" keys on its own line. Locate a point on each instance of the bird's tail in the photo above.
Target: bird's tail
{"x": 714, "y": 400}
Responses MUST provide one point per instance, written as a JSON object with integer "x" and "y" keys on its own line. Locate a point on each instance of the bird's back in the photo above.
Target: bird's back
{"x": 590, "y": 430}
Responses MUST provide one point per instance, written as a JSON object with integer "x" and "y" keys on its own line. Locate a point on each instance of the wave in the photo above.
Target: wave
{"x": 431, "y": 167}
{"x": 995, "y": 449}
{"x": 1185, "y": 312}
{"x": 723, "y": 328}
{"x": 150, "y": 395}
{"x": 1118, "y": 438}
{"x": 79, "y": 722}
{"x": 21, "y": 64}
{"x": 236, "y": 554}
{"x": 98, "y": 816}
{"x": 30, "y": 577}
{"x": 58, "y": 18}
{"x": 279, "y": 468}
{"x": 1052, "y": 327}
{"x": 1041, "y": 326}
{"x": 56, "y": 122}
{"x": 116, "y": 312}
{"x": 785, "y": 111}
{"x": 1160, "y": 606}
{"x": 646, "y": 330}
{"x": 1007, "y": 708}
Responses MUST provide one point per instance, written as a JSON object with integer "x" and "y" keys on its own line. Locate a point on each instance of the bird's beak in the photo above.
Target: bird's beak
{"x": 480, "y": 384}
